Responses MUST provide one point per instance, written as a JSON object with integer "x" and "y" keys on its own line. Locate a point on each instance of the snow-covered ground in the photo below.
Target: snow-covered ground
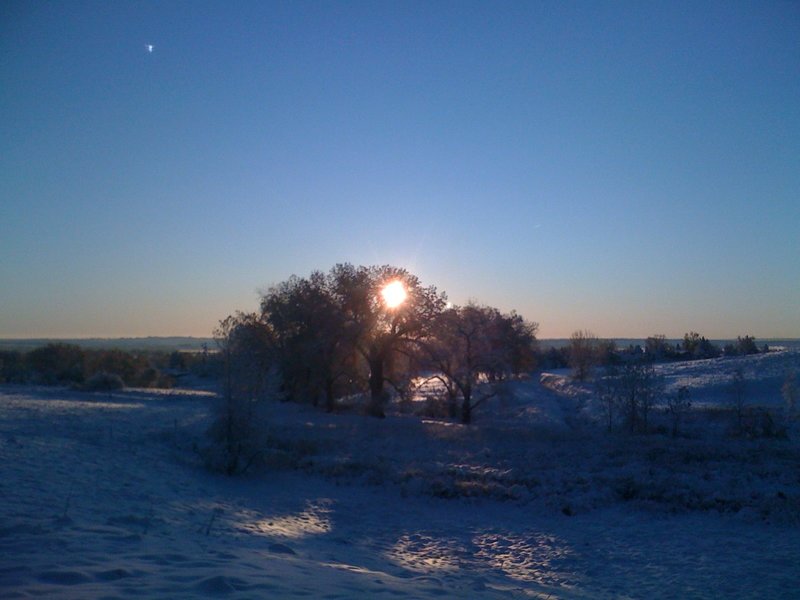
{"x": 104, "y": 496}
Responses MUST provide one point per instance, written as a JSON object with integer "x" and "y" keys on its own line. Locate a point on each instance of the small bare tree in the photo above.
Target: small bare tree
{"x": 678, "y": 405}
{"x": 630, "y": 391}
{"x": 608, "y": 393}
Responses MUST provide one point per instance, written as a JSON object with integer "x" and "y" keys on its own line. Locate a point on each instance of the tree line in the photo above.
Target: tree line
{"x": 72, "y": 365}
{"x": 586, "y": 351}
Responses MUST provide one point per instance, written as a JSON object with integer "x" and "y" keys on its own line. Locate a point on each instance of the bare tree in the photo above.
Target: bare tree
{"x": 678, "y": 405}
{"x": 630, "y": 391}
{"x": 607, "y": 390}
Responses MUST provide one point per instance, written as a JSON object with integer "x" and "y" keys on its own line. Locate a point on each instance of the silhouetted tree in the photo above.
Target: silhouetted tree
{"x": 657, "y": 348}
{"x": 607, "y": 390}
{"x": 582, "y": 354}
{"x": 237, "y": 429}
{"x": 475, "y": 347}
{"x": 516, "y": 340}
{"x": 313, "y": 340}
{"x": 743, "y": 346}
{"x": 57, "y": 363}
{"x": 630, "y": 390}
{"x": 698, "y": 347}
{"x": 331, "y": 331}
{"x": 379, "y": 332}
{"x": 245, "y": 344}
{"x": 606, "y": 353}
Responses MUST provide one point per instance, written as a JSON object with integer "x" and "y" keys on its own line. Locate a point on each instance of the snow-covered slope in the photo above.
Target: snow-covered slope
{"x": 103, "y": 497}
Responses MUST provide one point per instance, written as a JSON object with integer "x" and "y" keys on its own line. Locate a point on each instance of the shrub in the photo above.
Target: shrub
{"x": 104, "y": 382}
{"x": 238, "y": 432}
{"x": 759, "y": 423}
{"x": 12, "y": 367}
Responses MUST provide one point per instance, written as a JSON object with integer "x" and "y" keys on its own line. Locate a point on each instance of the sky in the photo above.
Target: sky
{"x": 628, "y": 168}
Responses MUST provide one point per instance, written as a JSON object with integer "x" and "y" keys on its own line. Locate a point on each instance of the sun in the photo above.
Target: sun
{"x": 394, "y": 294}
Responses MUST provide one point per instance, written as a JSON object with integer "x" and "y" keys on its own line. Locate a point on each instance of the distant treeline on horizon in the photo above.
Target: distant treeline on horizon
{"x": 165, "y": 344}
{"x": 198, "y": 344}
{"x": 622, "y": 343}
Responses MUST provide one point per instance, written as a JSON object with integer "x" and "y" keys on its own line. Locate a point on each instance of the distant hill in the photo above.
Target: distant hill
{"x": 166, "y": 344}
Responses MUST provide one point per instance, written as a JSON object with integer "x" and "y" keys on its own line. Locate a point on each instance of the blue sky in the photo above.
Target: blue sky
{"x": 631, "y": 168}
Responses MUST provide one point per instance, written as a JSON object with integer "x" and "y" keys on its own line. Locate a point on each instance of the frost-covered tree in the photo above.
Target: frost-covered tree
{"x": 238, "y": 427}
{"x": 582, "y": 354}
{"x": 630, "y": 392}
{"x": 474, "y": 348}
{"x": 312, "y": 340}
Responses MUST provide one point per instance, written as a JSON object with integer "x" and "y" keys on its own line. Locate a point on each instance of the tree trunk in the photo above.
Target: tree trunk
{"x": 375, "y": 407}
{"x": 466, "y": 406}
{"x": 329, "y": 399}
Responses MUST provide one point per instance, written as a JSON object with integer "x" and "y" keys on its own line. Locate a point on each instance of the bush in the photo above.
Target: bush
{"x": 238, "y": 432}
{"x": 12, "y": 367}
{"x": 104, "y": 382}
{"x": 759, "y": 423}
{"x": 742, "y": 347}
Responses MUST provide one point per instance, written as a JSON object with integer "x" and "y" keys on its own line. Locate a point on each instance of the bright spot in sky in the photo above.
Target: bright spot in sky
{"x": 149, "y": 47}
{"x": 394, "y": 294}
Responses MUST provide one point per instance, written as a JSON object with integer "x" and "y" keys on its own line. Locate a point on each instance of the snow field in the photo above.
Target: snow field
{"x": 103, "y": 496}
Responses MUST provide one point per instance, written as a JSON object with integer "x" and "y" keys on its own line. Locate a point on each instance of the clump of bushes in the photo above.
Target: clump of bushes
{"x": 104, "y": 382}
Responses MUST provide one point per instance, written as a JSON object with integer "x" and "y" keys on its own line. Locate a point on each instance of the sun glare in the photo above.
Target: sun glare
{"x": 394, "y": 294}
